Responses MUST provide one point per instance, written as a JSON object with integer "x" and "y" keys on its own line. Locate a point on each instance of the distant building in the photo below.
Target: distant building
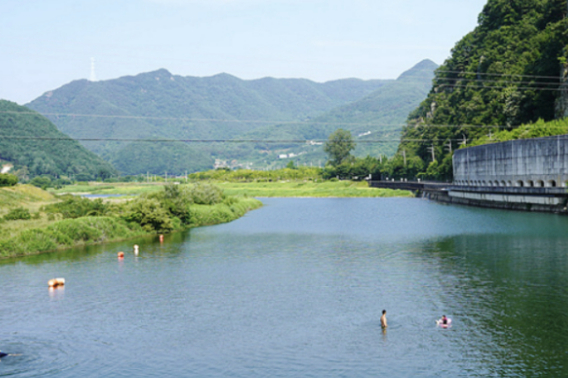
{"x": 6, "y": 168}
{"x": 220, "y": 164}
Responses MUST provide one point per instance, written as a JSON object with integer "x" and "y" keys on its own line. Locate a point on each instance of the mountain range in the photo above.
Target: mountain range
{"x": 157, "y": 122}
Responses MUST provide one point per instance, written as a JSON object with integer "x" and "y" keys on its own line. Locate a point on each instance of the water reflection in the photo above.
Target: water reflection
{"x": 171, "y": 247}
{"x": 56, "y": 293}
{"x": 509, "y": 292}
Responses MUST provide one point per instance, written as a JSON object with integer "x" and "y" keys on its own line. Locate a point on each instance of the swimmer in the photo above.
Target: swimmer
{"x": 2, "y": 355}
{"x": 384, "y": 319}
{"x": 444, "y": 322}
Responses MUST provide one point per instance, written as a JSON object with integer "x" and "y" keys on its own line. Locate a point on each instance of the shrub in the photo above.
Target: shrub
{"x": 149, "y": 214}
{"x": 205, "y": 194}
{"x": 76, "y": 207}
{"x": 17, "y": 214}
{"x": 7, "y": 179}
{"x": 43, "y": 182}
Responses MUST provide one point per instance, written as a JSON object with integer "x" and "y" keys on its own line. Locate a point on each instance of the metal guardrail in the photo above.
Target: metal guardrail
{"x": 409, "y": 185}
{"x": 438, "y": 186}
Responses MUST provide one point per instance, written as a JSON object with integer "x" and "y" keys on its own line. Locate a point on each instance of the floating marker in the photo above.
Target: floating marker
{"x": 55, "y": 282}
{"x": 120, "y": 255}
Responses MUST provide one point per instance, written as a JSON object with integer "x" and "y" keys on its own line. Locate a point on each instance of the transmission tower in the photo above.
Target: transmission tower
{"x": 93, "y": 77}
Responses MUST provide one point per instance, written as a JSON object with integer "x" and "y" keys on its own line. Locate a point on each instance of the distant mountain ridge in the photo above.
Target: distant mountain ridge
{"x": 378, "y": 115}
{"x": 159, "y": 105}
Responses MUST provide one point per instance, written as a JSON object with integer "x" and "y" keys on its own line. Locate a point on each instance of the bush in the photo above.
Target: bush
{"x": 7, "y": 179}
{"x": 43, "y": 182}
{"x": 149, "y": 214}
{"x": 76, "y": 207}
{"x": 17, "y": 214}
{"x": 204, "y": 194}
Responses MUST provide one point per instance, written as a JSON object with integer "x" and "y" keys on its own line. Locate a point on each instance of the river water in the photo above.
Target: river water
{"x": 296, "y": 289}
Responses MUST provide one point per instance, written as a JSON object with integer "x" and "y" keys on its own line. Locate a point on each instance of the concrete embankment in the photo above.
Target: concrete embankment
{"x": 553, "y": 200}
{"x": 525, "y": 175}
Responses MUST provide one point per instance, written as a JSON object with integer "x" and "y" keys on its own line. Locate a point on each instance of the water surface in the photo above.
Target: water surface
{"x": 296, "y": 289}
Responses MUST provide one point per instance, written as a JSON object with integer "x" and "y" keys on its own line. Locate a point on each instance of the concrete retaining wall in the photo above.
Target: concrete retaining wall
{"x": 537, "y": 162}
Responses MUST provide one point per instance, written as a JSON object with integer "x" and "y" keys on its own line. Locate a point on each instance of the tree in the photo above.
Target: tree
{"x": 339, "y": 146}
{"x": 7, "y": 179}
{"x": 291, "y": 165}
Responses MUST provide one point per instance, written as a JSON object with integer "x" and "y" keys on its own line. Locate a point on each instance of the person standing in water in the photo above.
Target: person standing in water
{"x": 384, "y": 319}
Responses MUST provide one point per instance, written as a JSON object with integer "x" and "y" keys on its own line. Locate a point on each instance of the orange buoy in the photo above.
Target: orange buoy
{"x": 161, "y": 238}
{"x": 55, "y": 282}
{"x": 120, "y": 255}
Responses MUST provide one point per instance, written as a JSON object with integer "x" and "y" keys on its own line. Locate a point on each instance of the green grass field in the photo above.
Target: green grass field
{"x": 255, "y": 189}
{"x": 309, "y": 189}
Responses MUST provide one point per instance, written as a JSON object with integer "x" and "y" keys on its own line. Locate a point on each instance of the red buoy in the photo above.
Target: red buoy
{"x": 120, "y": 255}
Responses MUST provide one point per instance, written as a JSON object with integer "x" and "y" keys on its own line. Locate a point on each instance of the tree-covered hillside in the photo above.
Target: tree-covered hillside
{"x": 158, "y": 105}
{"x": 505, "y": 73}
{"x": 35, "y": 147}
{"x": 377, "y": 116}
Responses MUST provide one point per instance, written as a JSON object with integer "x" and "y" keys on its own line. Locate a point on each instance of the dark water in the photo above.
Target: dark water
{"x": 296, "y": 289}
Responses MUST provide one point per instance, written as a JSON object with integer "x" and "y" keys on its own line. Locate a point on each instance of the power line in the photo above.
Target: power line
{"x": 282, "y": 141}
{"x": 499, "y": 87}
{"x": 223, "y": 120}
{"x": 498, "y": 81}
{"x": 247, "y": 121}
{"x": 501, "y": 75}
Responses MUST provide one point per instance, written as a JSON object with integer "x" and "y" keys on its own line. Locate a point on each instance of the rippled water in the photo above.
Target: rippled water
{"x": 296, "y": 289}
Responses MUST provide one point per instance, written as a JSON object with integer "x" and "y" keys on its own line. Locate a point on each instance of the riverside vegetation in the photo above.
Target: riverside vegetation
{"x": 33, "y": 220}
{"x": 288, "y": 182}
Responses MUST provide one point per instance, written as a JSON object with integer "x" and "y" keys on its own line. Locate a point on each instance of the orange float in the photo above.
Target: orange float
{"x": 120, "y": 255}
{"x": 55, "y": 282}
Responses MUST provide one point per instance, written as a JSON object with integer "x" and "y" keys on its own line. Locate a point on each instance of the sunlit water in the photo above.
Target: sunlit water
{"x": 296, "y": 289}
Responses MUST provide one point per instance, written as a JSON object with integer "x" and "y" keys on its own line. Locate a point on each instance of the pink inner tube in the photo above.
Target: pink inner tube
{"x": 439, "y": 322}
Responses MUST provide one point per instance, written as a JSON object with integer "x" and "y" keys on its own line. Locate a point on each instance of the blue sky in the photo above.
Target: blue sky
{"x": 48, "y": 43}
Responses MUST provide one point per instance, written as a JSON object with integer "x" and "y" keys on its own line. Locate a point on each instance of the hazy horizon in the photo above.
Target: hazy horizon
{"x": 49, "y": 44}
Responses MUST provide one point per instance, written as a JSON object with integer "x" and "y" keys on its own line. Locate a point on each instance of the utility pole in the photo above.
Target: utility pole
{"x": 431, "y": 149}
{"x": 449, "y": 146}
{"x": 464, "y": 141}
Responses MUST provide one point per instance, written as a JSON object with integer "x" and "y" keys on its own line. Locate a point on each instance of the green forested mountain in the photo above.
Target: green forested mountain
{"x": 159, "y": 105}
{"x": 505, "y": 73}
{"x": 377, "y": 116}
{"x": 33, "y": 145}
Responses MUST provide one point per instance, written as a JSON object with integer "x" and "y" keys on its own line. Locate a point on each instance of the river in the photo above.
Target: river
{"x": 296, "y": 289}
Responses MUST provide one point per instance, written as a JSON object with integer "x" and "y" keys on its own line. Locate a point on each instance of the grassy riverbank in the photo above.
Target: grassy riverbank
{"x": 309, "y": 189}
{"x": 290, "y": 188}
{"x": 50, "y": 223}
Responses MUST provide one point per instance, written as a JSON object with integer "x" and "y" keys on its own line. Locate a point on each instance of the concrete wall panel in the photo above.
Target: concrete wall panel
{"x": 528, "y": 160}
